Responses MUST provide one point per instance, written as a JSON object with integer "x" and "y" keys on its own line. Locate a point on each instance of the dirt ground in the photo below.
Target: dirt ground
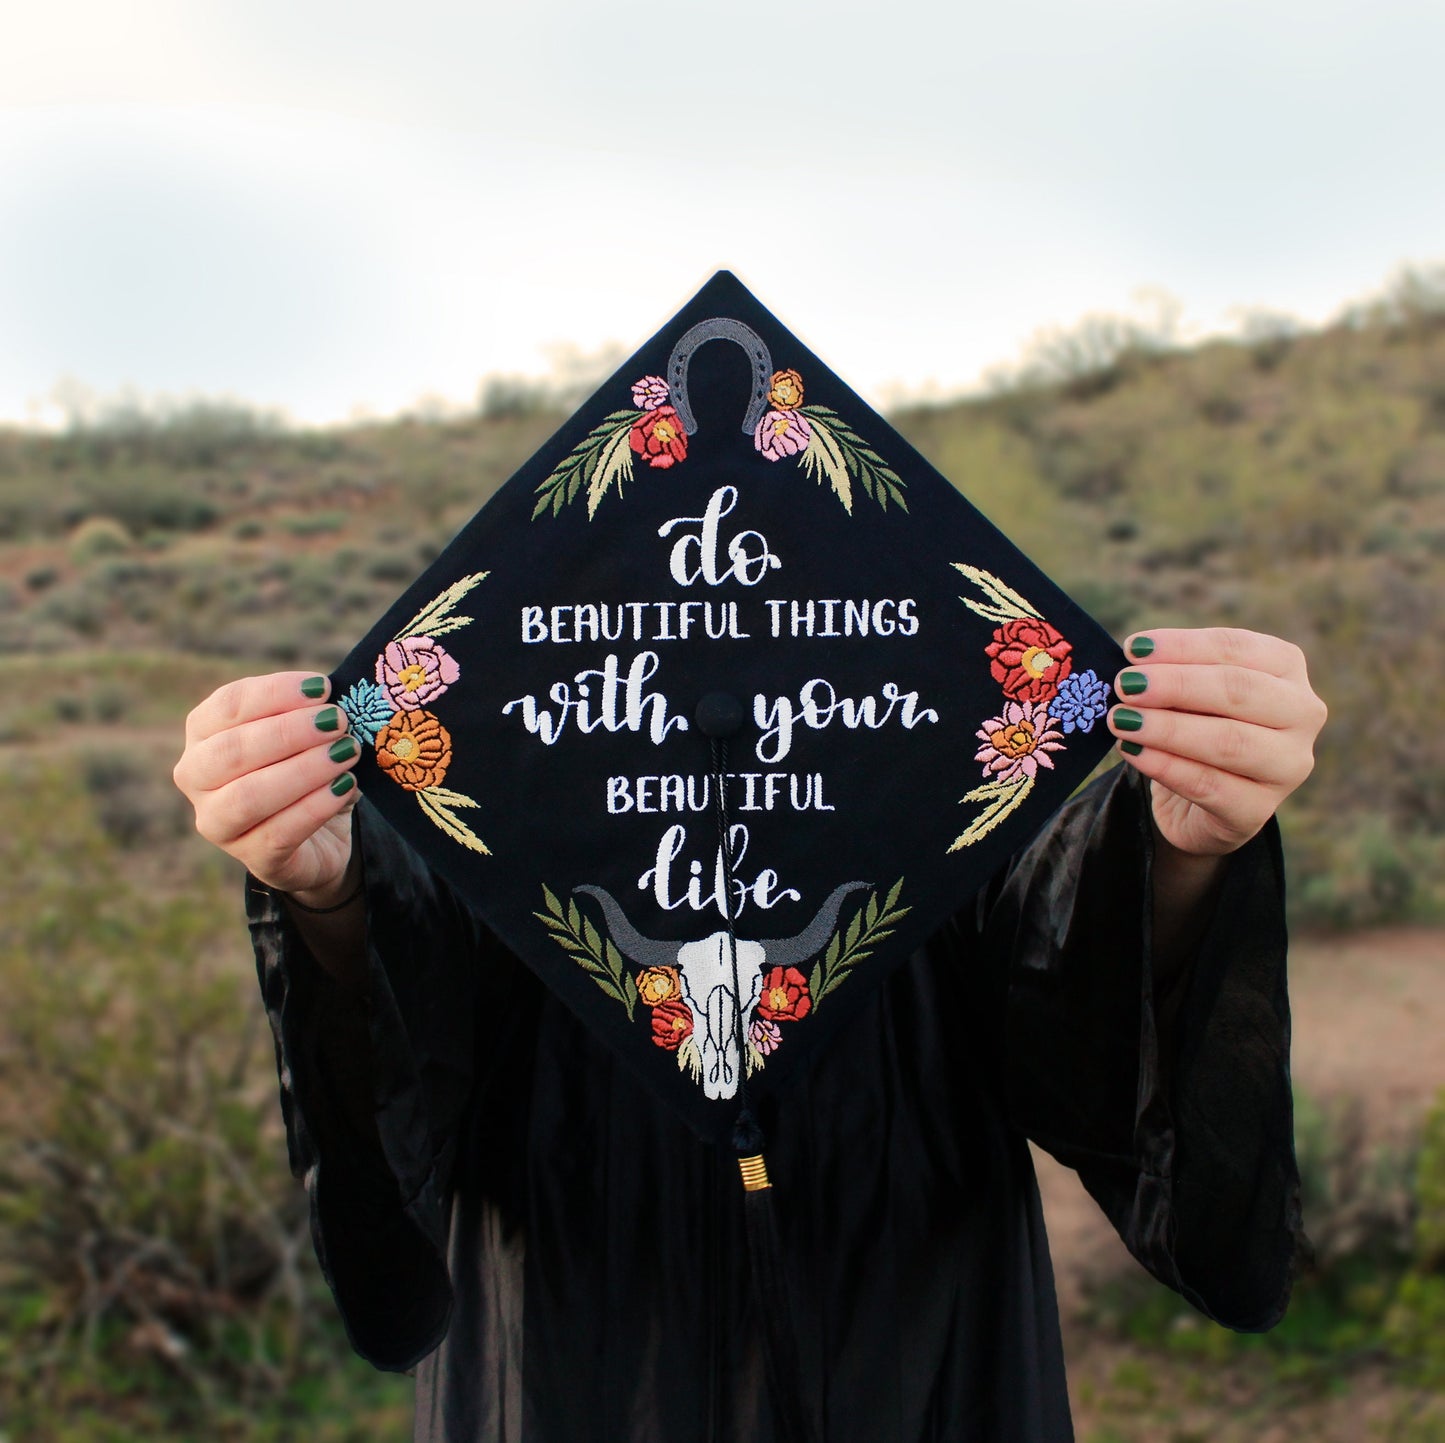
{"x": 1369, "y": 1023}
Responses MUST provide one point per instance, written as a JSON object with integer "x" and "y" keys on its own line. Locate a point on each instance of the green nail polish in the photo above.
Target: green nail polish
{"x": 1125, "y": 718}
{"x": 342, "y": 784}
{"x": 314, "y": 687}
{"x": 1132, "y": 748}
{"x": 328, "y": 720}
{"x": 343, "y": 750}
{"x": 1131, "y": 683}
{"x": 1141, "y": 647}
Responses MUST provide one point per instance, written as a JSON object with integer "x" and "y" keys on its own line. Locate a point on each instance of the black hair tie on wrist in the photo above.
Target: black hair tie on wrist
{"x": 322, "y": 911}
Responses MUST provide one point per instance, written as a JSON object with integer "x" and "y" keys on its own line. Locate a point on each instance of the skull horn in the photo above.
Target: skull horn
{"x": 786, "y": 951}
{"x": 645, "y": 951}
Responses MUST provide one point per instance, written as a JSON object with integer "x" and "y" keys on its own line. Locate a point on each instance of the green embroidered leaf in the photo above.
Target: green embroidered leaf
{"x": 581, "y": 466}
{"x": 577, "y": 935}
{"x": 849, "y": 946}
{"x": 857, "y": 458}
{"x": 592, "y": 937}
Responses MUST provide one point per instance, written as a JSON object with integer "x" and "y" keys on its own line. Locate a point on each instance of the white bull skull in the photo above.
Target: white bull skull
{"x": 706, "y": 972}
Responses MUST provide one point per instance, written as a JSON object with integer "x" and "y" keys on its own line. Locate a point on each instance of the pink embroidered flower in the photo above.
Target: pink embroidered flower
{"x": 649, "y": 393}
{"x": 782, "y": 433}
{"x": 657, "y": 436}
{"x": 765, "y": 1035}
{"x": 415, "y": 671}
{"x": 1017, "y": 744}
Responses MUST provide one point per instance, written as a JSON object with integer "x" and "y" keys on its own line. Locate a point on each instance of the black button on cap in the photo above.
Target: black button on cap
{"x": 719, "y": 715}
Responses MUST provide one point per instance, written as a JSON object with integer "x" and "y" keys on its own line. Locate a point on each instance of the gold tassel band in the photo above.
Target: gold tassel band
{"x": 755, "y": 1173}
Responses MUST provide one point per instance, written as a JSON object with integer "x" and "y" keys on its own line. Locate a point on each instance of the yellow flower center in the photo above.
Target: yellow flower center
{"x": 679, "y": 1024}
{"x": 1036, "y": 661}
{"x": 1018, "y": 740}
{"x": 412, "y": 677}
{"x": 780, "y": 426}
{"x": 403, "y": 749}
{"x": 664, "y": 433}
{"x": 778, "y": 999}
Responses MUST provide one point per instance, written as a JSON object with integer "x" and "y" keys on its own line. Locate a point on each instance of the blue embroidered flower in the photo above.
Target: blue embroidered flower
{"x": 1081, "y": 700}
{"x": 369, "y": 709}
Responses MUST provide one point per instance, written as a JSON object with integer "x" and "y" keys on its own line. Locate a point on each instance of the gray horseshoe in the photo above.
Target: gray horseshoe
{"x": 720, "y": 328}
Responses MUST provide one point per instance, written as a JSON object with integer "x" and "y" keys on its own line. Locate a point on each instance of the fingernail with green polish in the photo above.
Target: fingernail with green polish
{"x": 342, "y": 784}
{"x": 1132, "y": 748}
{"x": 1141, "y": 647}
{"x": 314, "y": 687}
{"x": 1125, "y": 718}
{"x": 343, "y": 750}
{"x": 1131, "y": 683}
{"x": 329, "y": 719}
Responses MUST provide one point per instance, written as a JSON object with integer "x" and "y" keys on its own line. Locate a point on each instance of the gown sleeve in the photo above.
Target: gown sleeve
{"x": 1182, "y": 1133}
{"x": 376, "y": 1085}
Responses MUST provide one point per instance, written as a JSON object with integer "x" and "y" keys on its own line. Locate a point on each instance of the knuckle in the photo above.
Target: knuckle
{"x": 1234, "y": 744}
{"x": 1239, "y": 687}
{"x": 230, "y": 755}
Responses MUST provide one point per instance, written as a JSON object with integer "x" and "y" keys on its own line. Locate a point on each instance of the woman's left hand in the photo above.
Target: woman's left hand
{"x": 1223, "y": 723}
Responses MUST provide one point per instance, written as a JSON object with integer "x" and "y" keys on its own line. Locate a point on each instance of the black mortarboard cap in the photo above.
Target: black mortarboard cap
{"x": 724, "y": 565}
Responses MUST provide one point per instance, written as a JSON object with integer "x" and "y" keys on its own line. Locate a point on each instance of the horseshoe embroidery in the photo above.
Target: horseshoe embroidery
{"x": 782, "y": 428}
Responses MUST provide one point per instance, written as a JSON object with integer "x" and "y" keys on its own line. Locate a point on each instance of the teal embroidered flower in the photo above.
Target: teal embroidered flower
{"x": 368, "y": 708}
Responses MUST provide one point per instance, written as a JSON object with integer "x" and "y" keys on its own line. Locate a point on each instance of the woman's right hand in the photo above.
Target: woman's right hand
{"x": 267, "y": 768}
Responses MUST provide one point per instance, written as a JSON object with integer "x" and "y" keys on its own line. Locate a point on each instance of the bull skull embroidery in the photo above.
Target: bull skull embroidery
{"x": 706, "y": 975}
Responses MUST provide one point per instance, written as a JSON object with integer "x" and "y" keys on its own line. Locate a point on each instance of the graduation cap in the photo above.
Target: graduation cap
{"x": 722, "y": 705}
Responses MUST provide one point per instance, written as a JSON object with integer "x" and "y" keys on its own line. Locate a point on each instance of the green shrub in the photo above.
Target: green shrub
{"x": 155, "y": 1269}
{"x": 1415, "y": 1327}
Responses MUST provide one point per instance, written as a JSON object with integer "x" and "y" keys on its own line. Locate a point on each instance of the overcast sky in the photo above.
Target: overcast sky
{"x": 342, "y": 207}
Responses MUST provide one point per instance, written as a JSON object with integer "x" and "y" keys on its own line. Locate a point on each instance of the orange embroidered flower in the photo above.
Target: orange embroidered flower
{"x": 414, "y": 749}
{"x": 658, "y": 984}
{"x": 787, "y": 390}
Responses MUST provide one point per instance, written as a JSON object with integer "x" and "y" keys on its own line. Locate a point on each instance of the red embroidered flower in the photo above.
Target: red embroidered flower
{"x": 785, "y": 995}
{"x": 415, "y": 749}
{"x": 1029, "y": 658}
{"x": 658, "y": 437}
{"x": 671, "y": 1024}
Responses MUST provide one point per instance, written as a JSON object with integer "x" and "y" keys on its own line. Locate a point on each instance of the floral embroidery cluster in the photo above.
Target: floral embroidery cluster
{"x": 817, "y": 437}
{"x": 1044, "y": 700}
{"x": 785, "y": 995}
{"x": 393, "y": 712}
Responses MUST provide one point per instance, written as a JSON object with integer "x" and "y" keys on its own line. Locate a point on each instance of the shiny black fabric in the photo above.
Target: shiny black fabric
{"x": 498, "y": 1204}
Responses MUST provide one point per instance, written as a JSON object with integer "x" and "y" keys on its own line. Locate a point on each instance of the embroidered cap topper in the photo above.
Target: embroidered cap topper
{"x": 722, "y": 704}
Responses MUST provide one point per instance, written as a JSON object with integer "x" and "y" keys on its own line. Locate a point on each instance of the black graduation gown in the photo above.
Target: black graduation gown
{"x": 561, "y": 1260}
